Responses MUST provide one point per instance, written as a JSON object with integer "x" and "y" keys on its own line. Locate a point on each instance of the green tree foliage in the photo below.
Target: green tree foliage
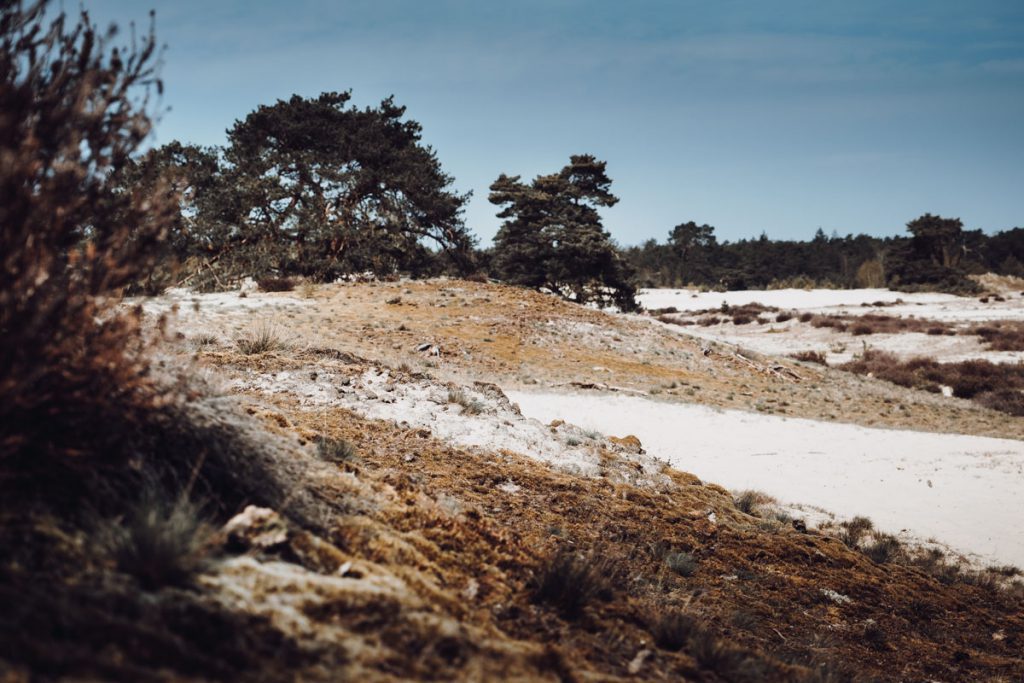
{"x": 189, "y": 176}
{"x": 694, "y": 245}
{"x": 552, "y": 235}
{"x": 939, "y": 239}
{"x": 343, "y": 188}
{"x": 313, "y": 187}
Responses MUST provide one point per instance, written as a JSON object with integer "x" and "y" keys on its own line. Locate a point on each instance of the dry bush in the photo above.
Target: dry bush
{"x": 335, "y": 450}
{"x": 276, "y": 284}
{"x": 833, "y": 321}
{"x": 810, "y": 357}
{"x": 995, "y": 385}
{"x": 853, "y": 530}
{"x": 783, "y": 317}
{"x": 750, "y": 501}
{"x": 1004, "y": 400}
{"x": 708, "y": 320}
{"x": 806, "y": 317}
{"x": 76, "y": 379}
{"x": 883, "y": 548}
{"x": 1000, "y": 335}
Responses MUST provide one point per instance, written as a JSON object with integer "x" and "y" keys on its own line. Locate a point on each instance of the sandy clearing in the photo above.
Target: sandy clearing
{"x": 803, "y": 299}
{"x": 781, "y": 339}
{"x": 931, "y": 306}
{"x": 964, "y": 491}
{"x": 784, "y": 339}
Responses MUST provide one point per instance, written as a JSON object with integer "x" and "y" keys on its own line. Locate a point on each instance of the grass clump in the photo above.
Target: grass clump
{"x": 470, "y": 406}
{"x": 569, "y": 581}
{"x": 883, "y": 549}
{"x": 159, "y": 541}
{"x": 335, "y": 450}
{"x": 263, "y": 338}
{"x": 681, "y": 563}
{"x": 853, "y": 531}
{"x": 671, "y": 629}
{"x": 749, "y": 501}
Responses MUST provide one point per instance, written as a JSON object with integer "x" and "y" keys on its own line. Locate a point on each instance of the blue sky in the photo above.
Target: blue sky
{"x": 779, "y": 117}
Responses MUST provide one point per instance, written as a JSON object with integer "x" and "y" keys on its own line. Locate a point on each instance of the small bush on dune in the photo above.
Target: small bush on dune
{"x": 750, "y": 501}
{"x": 854, "y": 529}
{"x": 883, "y": 548}
{"x": 1000, "y": 336}
{"x": 783, "y": 317}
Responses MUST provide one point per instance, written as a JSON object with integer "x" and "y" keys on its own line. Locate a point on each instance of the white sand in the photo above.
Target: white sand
{"x": 964, "y": 491}
{"x": 803, "y": 299}
{"x": 790, "y": 337}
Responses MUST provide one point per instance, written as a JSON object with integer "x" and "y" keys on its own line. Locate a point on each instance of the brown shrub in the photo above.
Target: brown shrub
{"x": 997, "y": 386}
{"x": 276, "y": 284}
{"x": 1000, "y": 335}
{"x": 783, "y": 317}
{"x": 806, "y": 317}
{"x": 75, "y": 378}
{"x": 810, "y": 357}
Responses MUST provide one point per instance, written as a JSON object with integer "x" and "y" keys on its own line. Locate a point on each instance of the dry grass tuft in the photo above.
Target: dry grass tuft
{"x": 470, "y": 406}
{"x": 570, "y": 581}
{"x": 159, "y": 541}
{"x": 263, "y": 338}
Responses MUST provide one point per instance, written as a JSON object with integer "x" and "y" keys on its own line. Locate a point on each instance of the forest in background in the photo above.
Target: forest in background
{"x": 936, "y": 253}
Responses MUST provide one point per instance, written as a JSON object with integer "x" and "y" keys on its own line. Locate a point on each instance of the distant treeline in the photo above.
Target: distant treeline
{"x": 319, "y": 189}
{"x": 937, "y": 253}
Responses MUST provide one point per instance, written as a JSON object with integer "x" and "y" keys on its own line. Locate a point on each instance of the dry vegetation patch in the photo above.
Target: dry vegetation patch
{"x": 996, "y": 386}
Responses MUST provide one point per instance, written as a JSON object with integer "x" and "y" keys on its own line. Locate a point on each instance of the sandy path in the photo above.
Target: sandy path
{"x": 964, "y": 491}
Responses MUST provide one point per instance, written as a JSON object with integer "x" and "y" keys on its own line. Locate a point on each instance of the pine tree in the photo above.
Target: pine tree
{"x": 552, "y": 236}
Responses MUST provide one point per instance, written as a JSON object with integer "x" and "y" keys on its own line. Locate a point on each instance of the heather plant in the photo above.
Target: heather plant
{"x": 75, "y": 378}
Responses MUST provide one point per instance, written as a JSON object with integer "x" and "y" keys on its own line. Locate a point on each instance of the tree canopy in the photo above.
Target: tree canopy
{"x": 319, "y": 188}
{"x": 552, "y": 235}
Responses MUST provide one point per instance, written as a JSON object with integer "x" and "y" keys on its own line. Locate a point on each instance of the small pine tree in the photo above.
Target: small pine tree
{"x": 553, "y": 236}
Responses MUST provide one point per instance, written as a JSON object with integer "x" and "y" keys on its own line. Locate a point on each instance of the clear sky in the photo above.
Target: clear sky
{"x": 782, "y": 117}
